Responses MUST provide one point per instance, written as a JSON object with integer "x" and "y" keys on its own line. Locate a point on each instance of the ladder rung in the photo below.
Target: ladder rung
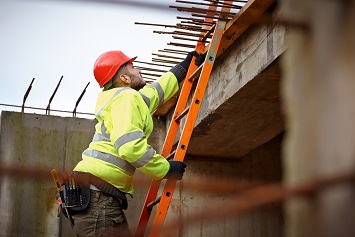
{"x": 171, "y": 155}
{"x": 153, "y": 203}
{"x": 196, "y": 73}
{"x": 178, "y": 118}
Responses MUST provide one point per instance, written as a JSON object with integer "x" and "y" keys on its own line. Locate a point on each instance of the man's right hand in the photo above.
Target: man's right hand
{"x": 176, "y": 170}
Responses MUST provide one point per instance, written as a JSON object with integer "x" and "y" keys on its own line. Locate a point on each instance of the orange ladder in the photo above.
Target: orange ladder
{"x": 202, "y": 74}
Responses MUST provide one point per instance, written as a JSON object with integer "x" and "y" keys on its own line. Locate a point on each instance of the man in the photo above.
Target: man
{"x": 119, "y": 146}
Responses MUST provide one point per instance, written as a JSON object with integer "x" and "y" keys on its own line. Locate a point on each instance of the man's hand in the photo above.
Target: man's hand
{"x": 176, "y": 170}
{"x": 180, "y": 69}
{"x": 200, "y": 58}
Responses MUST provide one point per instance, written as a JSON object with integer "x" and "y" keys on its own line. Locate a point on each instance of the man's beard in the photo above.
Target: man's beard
{"x": 141, "y": 85}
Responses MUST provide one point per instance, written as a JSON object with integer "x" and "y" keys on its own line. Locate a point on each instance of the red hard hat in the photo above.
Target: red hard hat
{"x": 107, "y": 64}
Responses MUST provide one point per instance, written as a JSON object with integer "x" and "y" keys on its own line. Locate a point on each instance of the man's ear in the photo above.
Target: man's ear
{"x": 125, "y": 78}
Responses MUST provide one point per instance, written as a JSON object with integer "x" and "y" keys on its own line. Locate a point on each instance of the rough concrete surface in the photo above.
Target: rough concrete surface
{"x": 243, "y": 96}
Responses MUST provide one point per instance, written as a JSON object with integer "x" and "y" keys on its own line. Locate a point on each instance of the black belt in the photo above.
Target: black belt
{"x": 103, "y": 186}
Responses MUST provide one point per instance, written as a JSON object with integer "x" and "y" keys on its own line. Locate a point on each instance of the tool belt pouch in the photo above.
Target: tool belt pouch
{"x": 75, "y": 194}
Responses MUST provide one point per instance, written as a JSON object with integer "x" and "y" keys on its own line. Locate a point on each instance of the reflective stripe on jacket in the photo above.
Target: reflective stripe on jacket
{"x": 120, "y": 145}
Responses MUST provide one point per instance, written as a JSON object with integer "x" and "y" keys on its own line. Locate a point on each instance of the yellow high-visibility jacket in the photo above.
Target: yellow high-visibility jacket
{"x": 119, "y": 145}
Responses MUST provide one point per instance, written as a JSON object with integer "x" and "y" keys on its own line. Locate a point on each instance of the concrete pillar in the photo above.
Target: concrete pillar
{"x": 318, "y": 91}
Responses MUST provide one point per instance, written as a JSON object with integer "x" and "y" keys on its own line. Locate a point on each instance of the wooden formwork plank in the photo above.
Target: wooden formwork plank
{"x": 247, "y": 16}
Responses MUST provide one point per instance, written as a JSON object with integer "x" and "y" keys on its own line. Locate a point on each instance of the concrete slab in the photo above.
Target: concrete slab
{"x": 241, "y": 108}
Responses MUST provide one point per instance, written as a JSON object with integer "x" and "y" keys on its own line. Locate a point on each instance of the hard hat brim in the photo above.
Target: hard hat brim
{"x": 132, "y": 59}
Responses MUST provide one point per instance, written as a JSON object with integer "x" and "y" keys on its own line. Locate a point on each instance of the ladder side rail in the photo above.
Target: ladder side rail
{"x": 167, "y": 147}
{"x": 186, "y": 87}
{"x": 189, "y": 125}
{"x": 182, "y": 101}
{"x": 172, "y": 131}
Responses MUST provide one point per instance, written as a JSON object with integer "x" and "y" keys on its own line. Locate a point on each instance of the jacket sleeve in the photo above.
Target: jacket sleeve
{"x": 160, "y": 91}
{"x": 129, "y": 138}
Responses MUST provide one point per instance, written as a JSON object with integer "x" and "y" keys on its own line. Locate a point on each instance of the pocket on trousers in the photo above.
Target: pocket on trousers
{"x": 114, "y": 219}
{"x": 118, "y": 220}
{"x": 85, "y": 223}
{"x": 113, "y": 215}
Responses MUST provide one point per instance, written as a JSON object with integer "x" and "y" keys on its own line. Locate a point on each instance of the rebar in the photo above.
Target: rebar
{"x": 189, "y": 39}
{"x": 182, "y": 45}
{"x": 50, "y": 100}
{"x": 190, "y": 28}
{"x": 153, "y": 64}
{"x": 79, "y": 99}
{"x": 219, "y": 4}
{"x": 150, "y": 69}
{"x": 217, "y": 17}
{"x": 200, "y": 10}
{"x": 165, "y": 61}
{"x": 193, "y": 29}
{"x": 196, "y": 23}
{"x": 26, "y": 95}
{"x": 178, "y": 33}
{"x": 200, "y": 21}
{"x": 174, "y": 51}
{"x": 153, "y": 24}
{"x": 150, "y": 74}
{"x": 167, "y": 56}
{"x": 217, "y": 1}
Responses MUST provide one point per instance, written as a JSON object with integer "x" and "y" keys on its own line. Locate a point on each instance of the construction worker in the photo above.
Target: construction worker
{"x": 119, "y": 146}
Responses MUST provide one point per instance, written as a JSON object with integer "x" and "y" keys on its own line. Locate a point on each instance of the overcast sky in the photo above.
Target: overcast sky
{"x": 49, "y": 39}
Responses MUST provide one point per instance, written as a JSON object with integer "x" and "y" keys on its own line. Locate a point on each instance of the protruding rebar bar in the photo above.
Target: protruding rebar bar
{"x": 182, "y": 45}
{"x": 176, "y": 51}
{"x": 79, "y": 99}
{"x": 26, "y": 95}
{"x": 50, "y": 100}
{"x": 176, "y": 32}
{"x": 150, "y": 69}
{"x": 195, "y": 20}
{"x": 199, "y": 10}
{"x": 165, "y": 61}
{"x": 150, "y": 74}
{"x": 189, "y": 39}
{"x": 153, "y": 24}
{"x": 167, "y": 56}
{"x": 217, "y": 1}
{"x": 177, "y": 26}
{"x": 219, "y": 4}
{"x": 217, "y": 17}
{"x": 195, "y": 23}
{"x": 153, "y": 64}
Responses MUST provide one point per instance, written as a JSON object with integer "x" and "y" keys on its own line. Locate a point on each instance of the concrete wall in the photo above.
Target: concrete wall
{"x": 261, "y": 165}
{"x": 28, "y": 206}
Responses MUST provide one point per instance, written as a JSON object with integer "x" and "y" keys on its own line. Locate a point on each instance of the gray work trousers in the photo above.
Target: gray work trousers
{"x": 102, "y": 218}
